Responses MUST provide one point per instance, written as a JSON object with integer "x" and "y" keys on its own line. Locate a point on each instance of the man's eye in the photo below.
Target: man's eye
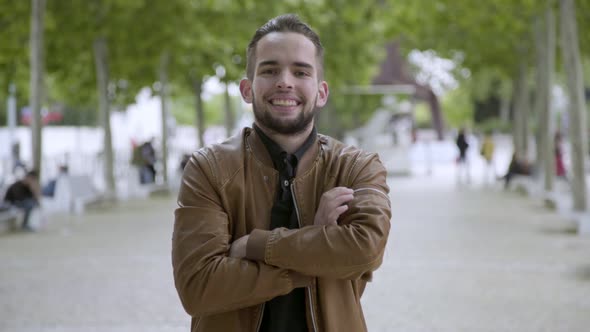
{"x": 301, "y": 74}
{"x": 268, "y": 71}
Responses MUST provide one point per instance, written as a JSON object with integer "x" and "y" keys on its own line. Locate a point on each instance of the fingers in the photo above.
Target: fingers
{"x": 337, "y": 191}
{"x": 338, "y": 196}
{"x": 238, "y": 247}
{"x": 340, "y": 210}
{"x": 332, "y": 205}
{"x": 342, "y": 199}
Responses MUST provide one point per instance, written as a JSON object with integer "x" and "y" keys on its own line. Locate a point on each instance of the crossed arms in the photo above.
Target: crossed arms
{"x": 214, "y": 274}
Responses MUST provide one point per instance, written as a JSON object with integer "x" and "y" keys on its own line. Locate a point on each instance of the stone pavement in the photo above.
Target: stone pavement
{"x": 460, "y": 258}
{"x": 107, "y": 271}
{"x": 475, "y": 258}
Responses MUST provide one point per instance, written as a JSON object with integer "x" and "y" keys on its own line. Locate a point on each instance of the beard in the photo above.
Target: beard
{"x": 284, "y": 126}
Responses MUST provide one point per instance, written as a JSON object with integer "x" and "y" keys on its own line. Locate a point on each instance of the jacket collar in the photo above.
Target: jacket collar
{"x": 277, "y": 153}
{"x": 255, "y": 144}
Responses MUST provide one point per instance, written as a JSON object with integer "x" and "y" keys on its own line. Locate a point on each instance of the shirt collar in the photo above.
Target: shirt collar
{"x": 277, "y": 153}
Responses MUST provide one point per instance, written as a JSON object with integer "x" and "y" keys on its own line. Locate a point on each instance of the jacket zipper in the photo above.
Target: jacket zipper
{"x": 260, "y": 318}
{"x": 313, "y": 322}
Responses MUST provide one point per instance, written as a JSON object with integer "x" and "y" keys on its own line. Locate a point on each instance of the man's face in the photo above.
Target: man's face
{"x": 285, "y": 91}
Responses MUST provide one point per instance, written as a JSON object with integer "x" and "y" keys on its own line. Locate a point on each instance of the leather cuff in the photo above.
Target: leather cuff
{"x": 256, "y": 246}
{"x": 300, "y": 280}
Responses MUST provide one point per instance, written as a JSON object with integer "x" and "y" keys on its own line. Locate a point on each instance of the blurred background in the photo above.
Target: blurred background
{"x": 83, "y": 83}
{"x": 118, "y": 93}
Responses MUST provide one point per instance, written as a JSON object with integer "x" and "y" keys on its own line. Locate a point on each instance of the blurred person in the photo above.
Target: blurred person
{"x": 183, "y": 161}
{"x": 24, "y": 194}
{"x": 280, "y": 228}
{"x": 48, "y": 190}
{"x": 487, "y": 152}
{"x": 559, "y": 164}
{"x": 517, "y": 166}
{"x": 18, "y": 166}
{"x": 462, "y": 162}
{"x": 148, "y": 157}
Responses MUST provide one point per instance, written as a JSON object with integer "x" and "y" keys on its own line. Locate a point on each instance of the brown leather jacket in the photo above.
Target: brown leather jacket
{"x": 227, "y": 192}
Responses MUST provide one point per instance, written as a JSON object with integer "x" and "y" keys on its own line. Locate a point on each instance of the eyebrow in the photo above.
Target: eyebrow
{"x": 274, "y": 63}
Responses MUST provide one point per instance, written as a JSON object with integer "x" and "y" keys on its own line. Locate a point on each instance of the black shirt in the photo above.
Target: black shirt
{"x": 285, "y": 313}
{"x": 18, "y": 192}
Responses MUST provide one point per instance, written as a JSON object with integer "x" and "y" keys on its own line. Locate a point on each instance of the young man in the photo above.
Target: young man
{"x": 279, "y": 228}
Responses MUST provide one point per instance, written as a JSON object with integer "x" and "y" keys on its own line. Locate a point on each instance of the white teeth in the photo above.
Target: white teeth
{"x": 284, "y": 102}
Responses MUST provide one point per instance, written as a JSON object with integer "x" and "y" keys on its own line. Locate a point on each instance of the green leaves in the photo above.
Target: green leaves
{"x": 488, "y": 32}
{"x": 202, "y": 34}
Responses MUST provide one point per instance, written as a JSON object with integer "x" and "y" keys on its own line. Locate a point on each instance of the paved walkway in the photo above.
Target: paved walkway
{"x": 470, "y": 258}
{"x": 459, "y": 259}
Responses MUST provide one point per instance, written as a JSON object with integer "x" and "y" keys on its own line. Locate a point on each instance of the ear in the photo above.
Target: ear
{"x": 246, "y": 90}
{"x": 323, "y": 94}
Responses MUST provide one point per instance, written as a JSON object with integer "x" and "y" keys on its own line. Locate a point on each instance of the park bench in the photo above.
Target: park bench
{"x": 73, "y": 193}
{"x": 135, "y": 189}
{"x": 60, "y": 201}
{"x": 83, "y": 192}
{"x": 556, "y": 199}
{"x": 524, "y": 184}
{"x": 10, "y": 218}
{"x": 560, "y": 199}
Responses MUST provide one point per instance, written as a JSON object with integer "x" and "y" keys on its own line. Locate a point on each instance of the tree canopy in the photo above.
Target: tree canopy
{"x": 489, "y": 38}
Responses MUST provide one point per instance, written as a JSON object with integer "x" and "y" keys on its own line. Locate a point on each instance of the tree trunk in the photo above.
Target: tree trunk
{"x": 102, "y": 80}
{"x": 521, "y": 110}
{"x": 437, "y": 118}
{"x": 37, "y": 68}
{"x": 230, "y": 121}
{"x": 526, "y": 114}
{"x": 504, "y": 109}
{"x": 545, "y": 44}
{"x": 577, "y": 104}
{"x": 164, "y": 60}
{"x": 200, "y": 114}
{"x": 11, "y": 120}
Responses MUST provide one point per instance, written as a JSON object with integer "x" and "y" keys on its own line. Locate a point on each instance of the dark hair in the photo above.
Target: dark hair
{"x": 284, "y": 23}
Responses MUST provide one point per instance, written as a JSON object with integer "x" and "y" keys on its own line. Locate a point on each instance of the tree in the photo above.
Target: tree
{"x": 489, "y": 37}
{"x": 122, "y": 52}
{"x": 545, "y": 50}
{"x": 37, "y": 74}
{"x": 102, "y": 82}
{"x": 353, "y": 54}
{"x": 15, "y": 24}
{"x": 577, "y": 105}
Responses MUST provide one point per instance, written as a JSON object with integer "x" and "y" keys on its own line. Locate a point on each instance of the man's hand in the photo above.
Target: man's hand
{"x": 238, "y": 247}
{"x": 332, "y": 205}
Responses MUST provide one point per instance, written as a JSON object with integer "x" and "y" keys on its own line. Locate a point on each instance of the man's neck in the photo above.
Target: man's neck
{"x": 289, "y": 143}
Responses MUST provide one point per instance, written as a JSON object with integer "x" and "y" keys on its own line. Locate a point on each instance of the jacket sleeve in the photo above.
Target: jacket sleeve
{"x": 350, "y": 250}
{"x": 208, "y": 281}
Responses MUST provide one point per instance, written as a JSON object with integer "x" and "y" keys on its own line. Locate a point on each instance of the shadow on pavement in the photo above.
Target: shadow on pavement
{"x": 582, "y": 273}
{"x": 560, "y": 230}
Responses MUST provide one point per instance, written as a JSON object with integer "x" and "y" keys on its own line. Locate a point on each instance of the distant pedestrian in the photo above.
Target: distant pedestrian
{"x": 148, "y": 157}
{"x": 183, "y": 161}
{"x": 462, "y": 162}
{"x": 559, "y": 164}
{"x": 487, "y": 152}
{"x": 518, "y": 166}
{"x": 49, "y": 189}
{"x": 18, "y": 167}
{"x": 24, "y": 194}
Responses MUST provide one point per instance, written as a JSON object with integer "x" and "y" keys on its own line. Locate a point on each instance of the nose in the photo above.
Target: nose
{"x": 285, "y": 80}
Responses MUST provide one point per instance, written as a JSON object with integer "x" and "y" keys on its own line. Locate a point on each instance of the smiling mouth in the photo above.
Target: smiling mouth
{"x": 284, "y": 102}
